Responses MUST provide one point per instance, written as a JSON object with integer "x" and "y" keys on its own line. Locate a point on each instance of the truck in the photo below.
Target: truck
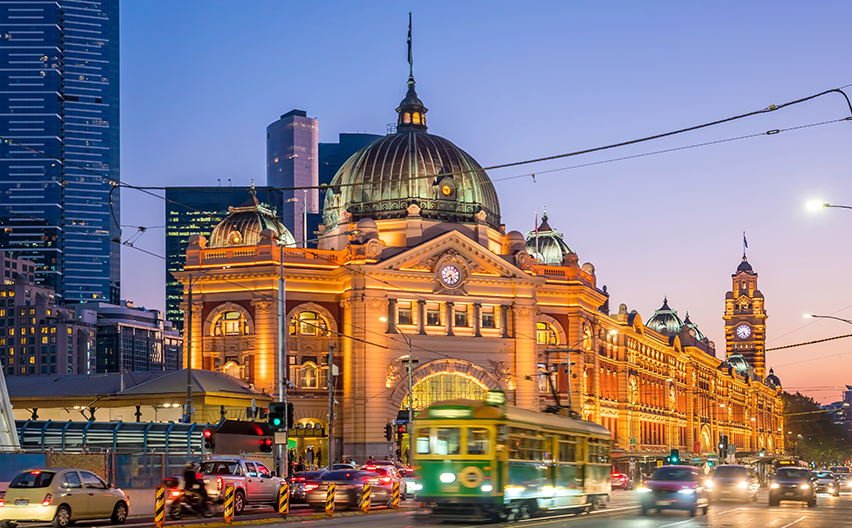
{"x": 253, "y": 482}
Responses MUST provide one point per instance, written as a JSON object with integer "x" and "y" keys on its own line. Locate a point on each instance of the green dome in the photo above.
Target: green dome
{"x": 243, "y": 225}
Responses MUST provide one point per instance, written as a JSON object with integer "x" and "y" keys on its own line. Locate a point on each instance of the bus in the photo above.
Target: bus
{"x": 485, "y": 460}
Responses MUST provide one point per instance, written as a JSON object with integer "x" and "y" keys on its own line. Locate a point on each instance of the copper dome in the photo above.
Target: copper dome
{"x": 242, "y": 227}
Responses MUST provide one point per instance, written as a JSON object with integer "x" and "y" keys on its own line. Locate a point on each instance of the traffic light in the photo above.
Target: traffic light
{"x": 675, "y": 456}
{"x": 209, "y": 436}
{"x": 291, "y": 416}
{"x": 276, "y": 416}
{"x": 400, "y": 430}
{"x": 388, "y": 432}
{"x": 723, "y": 446}
{"x": 266, "y": 445}
{"x": 711, "y": 462}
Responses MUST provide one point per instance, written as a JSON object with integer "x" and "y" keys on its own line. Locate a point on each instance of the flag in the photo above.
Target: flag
{"x": 409, "y": 39}
{"x": 745, "y": 242}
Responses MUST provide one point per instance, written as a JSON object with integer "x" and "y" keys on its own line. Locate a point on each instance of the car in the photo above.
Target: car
{"x": 253, "y": 482}
{"x": 389, "y": 475}
{"x": 674, "y": 487}
{"x": 827, "y": 482}
{"x": 61, "y": 496}
{"x": 349, "y": 487}
{"x": 792, "y": 484}
{"x": 301, "y": 483}
{"x": 845, "y": 481}
{"x": 733, "y": 482}
{"x": 621, "y": 481}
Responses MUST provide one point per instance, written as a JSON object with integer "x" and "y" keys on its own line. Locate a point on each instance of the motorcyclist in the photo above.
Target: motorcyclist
{"x": 193, "y": 485}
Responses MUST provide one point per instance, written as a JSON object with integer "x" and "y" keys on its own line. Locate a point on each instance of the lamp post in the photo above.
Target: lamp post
{"x": 819, "y": 205}
{"x": 812, "y": 316}
{"x": 410, "y": 362}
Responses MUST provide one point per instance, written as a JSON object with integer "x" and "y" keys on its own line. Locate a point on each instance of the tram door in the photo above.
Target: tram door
{"x": 501, "y": 454}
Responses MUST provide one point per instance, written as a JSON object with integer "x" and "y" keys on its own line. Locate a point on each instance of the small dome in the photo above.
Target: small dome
{"x": 694, "y": 331}
{"x": 744, "y": 266}
{"x": 243, "y": 226}
{"x": 546, "y": 244}
{"x": 739, "y": 363}
{"x": 772, "y": 380}
{"x": 514, "y": 241}
{"x": 665, "y": 320}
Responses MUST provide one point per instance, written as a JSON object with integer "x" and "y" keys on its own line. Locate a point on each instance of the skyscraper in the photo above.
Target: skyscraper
{"x": 292, "y": 160}
{"x": 59, "y": 94}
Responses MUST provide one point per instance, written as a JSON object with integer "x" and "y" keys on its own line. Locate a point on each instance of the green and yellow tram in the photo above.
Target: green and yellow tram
{"x": 486, "y": 459}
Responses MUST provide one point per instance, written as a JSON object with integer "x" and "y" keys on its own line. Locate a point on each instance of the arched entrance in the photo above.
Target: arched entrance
{"x": 445, "y": 379}
{"x": 706, "y": 443}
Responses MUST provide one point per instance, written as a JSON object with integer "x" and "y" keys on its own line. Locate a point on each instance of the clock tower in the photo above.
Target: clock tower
{"x": 745, "y": 319}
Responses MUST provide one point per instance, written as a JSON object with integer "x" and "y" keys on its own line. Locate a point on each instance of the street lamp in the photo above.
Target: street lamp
{"x": 410, "y": 362}
{"x": 812, "y": 316}
{"x": 817, "y": 205}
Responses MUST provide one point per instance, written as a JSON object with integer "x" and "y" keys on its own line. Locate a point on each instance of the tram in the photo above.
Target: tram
{"x": 487, "y": 460}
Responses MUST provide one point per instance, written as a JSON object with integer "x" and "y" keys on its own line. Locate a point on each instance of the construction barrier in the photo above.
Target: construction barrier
{"x": 365, "y": 498}
{"x": 284, "y": 499}
{"x": 329, "y": 499}
{"x": 160, "y": 506}
{"x": 229, "y": 503}
{"x": 395, "y": 496}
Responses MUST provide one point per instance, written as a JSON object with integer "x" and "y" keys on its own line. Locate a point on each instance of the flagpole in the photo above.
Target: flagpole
{"x": 536, "y": 238}
{"x": 410, "y": 48}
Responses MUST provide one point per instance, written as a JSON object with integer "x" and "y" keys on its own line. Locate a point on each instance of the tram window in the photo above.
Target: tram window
{"x": 449, "y": 441}
{"x": 422, "y": 442}
{"x": 567, "y": 452}
{"x": 477, "y": 441}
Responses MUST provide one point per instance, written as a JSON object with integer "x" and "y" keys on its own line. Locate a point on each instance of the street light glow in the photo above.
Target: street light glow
{"x": 816, "y": 205}
{"x": 613, "y": 332}
{"x": 383, "y": 319}
{"x": 808, "y": 316}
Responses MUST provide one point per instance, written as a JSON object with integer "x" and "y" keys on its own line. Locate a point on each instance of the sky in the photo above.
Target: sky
{"x": 201, "y": 80}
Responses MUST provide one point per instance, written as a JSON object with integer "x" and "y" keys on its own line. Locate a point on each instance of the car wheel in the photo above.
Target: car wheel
{"x": 175, "y": 510}
{"x": 704, "y": 510}
{"x": 693, "y": 511}
{"x": 239, "y": 502}
{"x": 644, "y": 510}
{"x": 812, "y": 503}
{"x": 62, "y": 518}
{"x": 836, "y": 493}
{"x": 119, "y": 513}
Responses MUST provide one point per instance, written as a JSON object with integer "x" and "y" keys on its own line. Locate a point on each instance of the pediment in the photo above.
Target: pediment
{"x": 480, "y": 262}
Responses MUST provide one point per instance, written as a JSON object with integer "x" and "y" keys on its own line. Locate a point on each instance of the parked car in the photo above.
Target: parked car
{"x": 388, "y": 475}
{"x": 674, "y": 487}
{"x": 621, "y": 481}
{"x": 61, "y": 497}
{"x": 349, "y": 486}
{"x": 301, "y": 483}
{"x": 827, "y": 482}
{"x": 733, "y": 482}
{"x": 792, "y": 484}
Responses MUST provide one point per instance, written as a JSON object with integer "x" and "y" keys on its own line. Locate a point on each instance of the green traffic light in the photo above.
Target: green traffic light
{"x": 276, "y": 421}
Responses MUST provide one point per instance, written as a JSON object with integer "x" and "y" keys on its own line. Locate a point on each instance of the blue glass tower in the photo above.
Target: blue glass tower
{"x": 59, "y": 94}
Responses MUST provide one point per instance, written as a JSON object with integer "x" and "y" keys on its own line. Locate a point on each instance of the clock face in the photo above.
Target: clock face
{"x": 743, "y": 331}
{"x": 450, "y": 275}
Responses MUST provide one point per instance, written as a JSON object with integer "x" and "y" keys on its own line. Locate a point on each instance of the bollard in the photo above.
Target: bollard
{"x": 229, "y": 503}
{"x": 284, "y": 499}
{"x": 365, "y": 498}
{"x": 395, "y": 496}
{"x": 329, "y": 499}
{"x": 160, "y": 506}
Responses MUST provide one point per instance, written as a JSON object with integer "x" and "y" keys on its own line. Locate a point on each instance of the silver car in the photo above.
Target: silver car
{"x": 827, "y": 482}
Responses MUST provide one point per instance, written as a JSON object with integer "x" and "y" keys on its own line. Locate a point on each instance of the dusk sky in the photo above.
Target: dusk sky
{"x": 201, "y": 80}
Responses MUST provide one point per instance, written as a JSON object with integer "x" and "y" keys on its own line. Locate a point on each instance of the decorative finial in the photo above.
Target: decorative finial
{"x": 410, "y": 53}
{"x": 544, "y": 214}
{"x": 253, "y": 193}
{"x": 412, "y": 113}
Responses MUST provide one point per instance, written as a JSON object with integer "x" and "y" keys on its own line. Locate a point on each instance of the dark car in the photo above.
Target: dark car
{"x": 674, "y": 487}
{"x": 621, "y": 481}
{"x": 827, "y": 482}
{"x": 792, "y": 484}
{"x": 349, "y": 486}
{"x": 301, "y": 483}
{"x": 733, "y": 482}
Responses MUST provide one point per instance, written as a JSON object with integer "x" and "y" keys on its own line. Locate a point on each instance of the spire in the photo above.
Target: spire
{"x": 412, "y": 113}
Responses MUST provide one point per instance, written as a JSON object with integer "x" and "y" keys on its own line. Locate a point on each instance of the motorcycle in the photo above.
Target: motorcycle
{"x": 189, "y": 502}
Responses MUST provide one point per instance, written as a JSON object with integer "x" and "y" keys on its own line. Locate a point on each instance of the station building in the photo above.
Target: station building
{"x": 413, "y": 261}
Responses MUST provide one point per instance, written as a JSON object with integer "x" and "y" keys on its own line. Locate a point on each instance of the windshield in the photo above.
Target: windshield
{"x": 790, "y": 473}
{"x": 824, "y": 474}
{"x": 33, "y": 479}
{"x": 347, "y": 475}
{"x": 730, "y": 471}
{"x": 218, "y": 468}
{"x": 672, "y": 473}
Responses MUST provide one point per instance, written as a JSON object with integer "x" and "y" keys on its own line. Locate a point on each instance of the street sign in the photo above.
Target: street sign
{"x": 632, "y": 441}
{"x": 659, "y": 463}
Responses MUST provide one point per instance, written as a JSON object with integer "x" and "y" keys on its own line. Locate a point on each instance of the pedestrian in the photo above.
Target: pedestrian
{"x": 300, "y": 466}
{"x": 371, "y": 460}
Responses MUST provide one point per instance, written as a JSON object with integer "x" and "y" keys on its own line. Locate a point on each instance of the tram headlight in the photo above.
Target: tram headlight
{"x": 487, "y": 488}
{"x": 448, "y": 478}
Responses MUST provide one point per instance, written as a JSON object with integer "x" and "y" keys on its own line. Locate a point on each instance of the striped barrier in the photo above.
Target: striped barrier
{"x": 365, "y": 498}
{"x": 395, "y": 496}
{"x": 284, "y": 499}
{"x": 160, "y": 506}
{"x": 329, "y": 499}
{"x": 229, "y": 503}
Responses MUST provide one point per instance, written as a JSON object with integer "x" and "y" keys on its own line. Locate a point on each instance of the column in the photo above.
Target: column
{"x": 477, "y": 320}
{"x": 448, "y": 324}
{"x": 421, "y": 317}
{"x": 504, "y": 320}
{"x": 391, "y": 316}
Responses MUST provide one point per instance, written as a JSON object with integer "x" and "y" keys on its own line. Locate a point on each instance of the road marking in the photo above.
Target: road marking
{"x": 796, "y": 521}
{"x": 675, "y": 524}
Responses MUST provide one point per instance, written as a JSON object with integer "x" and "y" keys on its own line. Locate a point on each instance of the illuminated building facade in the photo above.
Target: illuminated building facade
{"x": 413, "y": 252}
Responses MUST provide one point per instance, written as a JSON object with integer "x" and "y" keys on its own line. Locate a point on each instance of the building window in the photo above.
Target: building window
{"x": 433, "y": 316}
{"x": 404, "y": 314}
{"x": 545, "y": 335}
{"x": 308, "y": 376}
{"x": 310, "y": 324}
{"x": 460, "y": 318}
{"x": 230, "y": 324}
{"x": 488, "y": 320}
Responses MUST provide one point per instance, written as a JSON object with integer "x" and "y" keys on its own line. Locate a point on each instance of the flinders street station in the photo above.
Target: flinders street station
{"x": 413, "y": 261}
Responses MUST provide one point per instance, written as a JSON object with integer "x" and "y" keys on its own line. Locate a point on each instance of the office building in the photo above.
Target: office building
{"x": 292, "y": 160}
{"x": 59, "y": 94}
{"x": 196, "y": 211}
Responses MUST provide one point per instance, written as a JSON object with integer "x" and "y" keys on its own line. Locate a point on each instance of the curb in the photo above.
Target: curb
{"x": 311, "y": 517}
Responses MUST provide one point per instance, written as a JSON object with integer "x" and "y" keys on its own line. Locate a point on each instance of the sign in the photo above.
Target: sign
{"x": 449, "y": 413}
{"x": 632, "y": 441}
{"x": 659, "y": 463}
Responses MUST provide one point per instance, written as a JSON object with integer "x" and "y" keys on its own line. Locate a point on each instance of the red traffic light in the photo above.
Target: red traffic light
{"x": 208, "y": 433}
{"x": 400, "y": 428}
{"x": 267, "y": 441}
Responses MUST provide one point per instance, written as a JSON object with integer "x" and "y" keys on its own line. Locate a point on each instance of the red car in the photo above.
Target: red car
{"x": 621, "y": 481}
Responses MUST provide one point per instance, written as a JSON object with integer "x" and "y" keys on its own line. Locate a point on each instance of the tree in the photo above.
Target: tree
{"x": 811, "y": 434}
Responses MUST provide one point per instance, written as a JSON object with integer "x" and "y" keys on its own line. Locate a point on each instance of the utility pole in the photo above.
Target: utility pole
{"x": 330, "y": 403}
{"x": 283, "y": 462}
{"x": 187, "y": 413}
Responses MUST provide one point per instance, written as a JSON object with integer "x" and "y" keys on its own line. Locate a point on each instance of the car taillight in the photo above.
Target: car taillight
{"x": 46, "y": 501}
{"x": 385, "y": 479}
{"x": 199, "y": 476}
{"x": 370, "y": 468}
{"x": 219, "y": 483}
{"x": 298, "y": 479}
{"x": 409, "y": 470}
{"x": 174, "y": 493}
{"x": 311, "y": 487}
{"x": 2, "y": 503}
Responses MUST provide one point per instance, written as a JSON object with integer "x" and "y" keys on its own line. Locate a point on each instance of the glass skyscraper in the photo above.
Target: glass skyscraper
{"x": 59, "y": 94}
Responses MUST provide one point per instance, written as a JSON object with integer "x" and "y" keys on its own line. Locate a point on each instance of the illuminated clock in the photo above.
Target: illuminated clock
{"x": 743, "y": 331}
{"x": 450, "y": 275}
{"x": 446, "y": 190}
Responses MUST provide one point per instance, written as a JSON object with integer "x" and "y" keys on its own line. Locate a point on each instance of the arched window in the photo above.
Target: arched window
{"x": 230, "y": 323}
{"x": 406, "y": 118}
{"x": 308, "y": 324}
{"x": 308, "y": 376}
{"x": 545, "y": 335}
{"x": 416, "y": 118}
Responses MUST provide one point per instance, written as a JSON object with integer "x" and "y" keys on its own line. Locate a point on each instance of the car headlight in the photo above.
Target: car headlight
{"x": 448, "y": 478}
{"x": 805, "y": 486}
{"x": 686, "y": 491}
{"x": 487, "y": 488}
{"x": 774, "y": 485}
{"x": 643, "y": 489}
{"x": 742, "y": 484}
{"x": 416, "y": 486}
{"x": 709, "y": 483}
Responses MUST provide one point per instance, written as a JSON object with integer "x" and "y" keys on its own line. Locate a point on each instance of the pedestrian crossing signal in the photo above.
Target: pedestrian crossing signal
{"x": 209, "y": 435}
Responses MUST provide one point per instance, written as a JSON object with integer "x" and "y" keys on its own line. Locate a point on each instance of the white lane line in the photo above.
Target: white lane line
{"x": 549, "y": 518}
{"x": 675, "y": 524}
{"x": 800, "y": 519}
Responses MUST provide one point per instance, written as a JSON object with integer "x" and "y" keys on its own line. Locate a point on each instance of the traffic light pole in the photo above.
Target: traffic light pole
{"x": 282, "y": 450}
{"x": 330, "y": 403}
